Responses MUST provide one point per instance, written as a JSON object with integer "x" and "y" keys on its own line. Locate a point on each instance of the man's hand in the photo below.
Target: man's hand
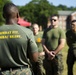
{"x": 51, "y": 55}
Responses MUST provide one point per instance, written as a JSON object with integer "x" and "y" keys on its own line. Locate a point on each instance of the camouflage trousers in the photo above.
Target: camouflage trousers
{"x": 25, "y": 71}
{"x": 55, "y": 66}
{"x": 38, "y": 67}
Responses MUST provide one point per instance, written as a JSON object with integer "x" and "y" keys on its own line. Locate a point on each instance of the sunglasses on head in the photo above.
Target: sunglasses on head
{"x": 53, "y": 19}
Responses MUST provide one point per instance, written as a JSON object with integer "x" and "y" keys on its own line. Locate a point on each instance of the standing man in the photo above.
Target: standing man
{"x": 17, "y": 45}
{"x": 71, "y": 42}
{"x": 38, "y": 68}
{"x": 53, "y": 42}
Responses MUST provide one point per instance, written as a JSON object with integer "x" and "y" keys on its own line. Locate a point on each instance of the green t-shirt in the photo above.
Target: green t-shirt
{"x": 71, "y": 37}
{"x": 52, "y": 37}
{"x": 38, "y": 39}
{"x": 15, "y": 42}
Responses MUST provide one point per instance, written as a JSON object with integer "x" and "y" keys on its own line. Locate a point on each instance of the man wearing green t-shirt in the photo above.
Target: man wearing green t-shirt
{"x": 17, "y": 45}
{"x": 71, "y": 42}
{"x": 53, "y": 42}
{"x": 38, "y": 68}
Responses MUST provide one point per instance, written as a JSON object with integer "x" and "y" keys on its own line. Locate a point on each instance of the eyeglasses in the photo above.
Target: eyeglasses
{"x": 53, "y": 20}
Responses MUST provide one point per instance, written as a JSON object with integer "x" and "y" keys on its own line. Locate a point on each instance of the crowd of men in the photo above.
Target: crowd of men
{"x": 30, "y": 52}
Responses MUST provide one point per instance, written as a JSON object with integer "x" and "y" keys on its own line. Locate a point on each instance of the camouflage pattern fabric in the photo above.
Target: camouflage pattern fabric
{"x": 38, "y": 67}
{"x": 41, "y": 70}
{"x": 55, "y": 66}
{"x": 25, "y": 71}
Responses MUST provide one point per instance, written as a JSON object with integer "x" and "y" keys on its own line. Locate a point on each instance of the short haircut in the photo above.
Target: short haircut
{"x": 9, "y": 10}
{"x": 55, "y": 15}
{"x": 35, "y": 24}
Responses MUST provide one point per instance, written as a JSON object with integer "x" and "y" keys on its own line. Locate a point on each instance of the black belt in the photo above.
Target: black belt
{"x": 14, "y": 68}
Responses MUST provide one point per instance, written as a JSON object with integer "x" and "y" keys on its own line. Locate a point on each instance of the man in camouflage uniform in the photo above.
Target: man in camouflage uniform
{"x": 38, "y": 68}
{"x": 71, "y": 42}
{"x": 53, "y": 42}
{"x": 17, "y": 45}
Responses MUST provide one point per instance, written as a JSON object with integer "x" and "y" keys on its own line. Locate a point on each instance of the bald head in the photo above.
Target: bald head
{"x": 10, "y": 11}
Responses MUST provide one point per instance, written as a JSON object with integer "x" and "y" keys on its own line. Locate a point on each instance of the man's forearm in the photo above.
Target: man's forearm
{"x": 45, "y": 49}
{"x": 60, "y": 47}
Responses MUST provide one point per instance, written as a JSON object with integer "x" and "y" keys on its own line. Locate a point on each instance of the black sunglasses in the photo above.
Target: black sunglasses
{"x": 53, "y": 20}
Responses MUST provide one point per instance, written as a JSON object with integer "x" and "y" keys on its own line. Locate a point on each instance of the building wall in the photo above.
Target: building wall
{"x": 62, "y": 22}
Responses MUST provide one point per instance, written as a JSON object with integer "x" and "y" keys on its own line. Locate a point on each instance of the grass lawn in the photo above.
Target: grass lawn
{"x": 64, "y": 51}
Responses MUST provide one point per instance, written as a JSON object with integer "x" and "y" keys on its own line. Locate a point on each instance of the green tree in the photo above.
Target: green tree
{"x": 62, "y": 7}
{"x": 37, "y": 11}
{"x": 2, "y": 2}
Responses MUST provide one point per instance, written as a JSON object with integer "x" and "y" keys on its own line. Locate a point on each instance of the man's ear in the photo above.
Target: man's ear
{"x": 18, "y": 15}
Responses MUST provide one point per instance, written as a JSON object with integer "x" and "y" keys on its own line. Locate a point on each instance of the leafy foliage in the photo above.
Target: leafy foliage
{"x": 36, "y": 11}
{"x": 2, "y": 2}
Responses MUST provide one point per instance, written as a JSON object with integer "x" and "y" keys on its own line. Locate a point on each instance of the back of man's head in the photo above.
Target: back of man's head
{"x": 10, "y": 11}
